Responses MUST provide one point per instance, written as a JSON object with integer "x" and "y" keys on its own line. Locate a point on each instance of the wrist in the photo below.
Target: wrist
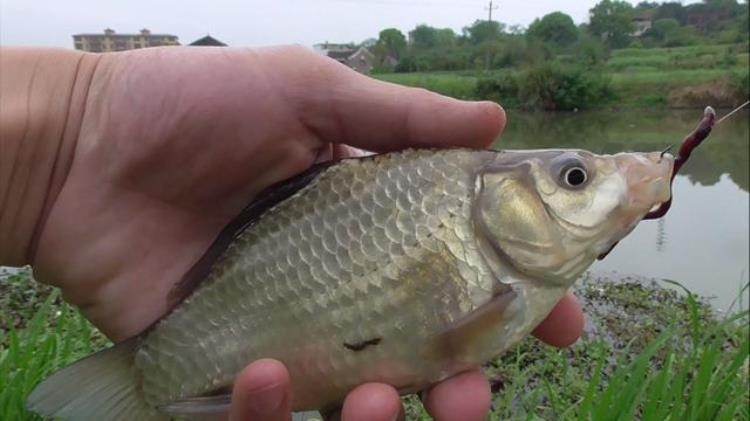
{"x": 41, "y": 107}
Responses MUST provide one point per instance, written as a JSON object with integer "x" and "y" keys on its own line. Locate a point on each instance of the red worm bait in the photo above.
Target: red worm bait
{"x": 691, "y": 142}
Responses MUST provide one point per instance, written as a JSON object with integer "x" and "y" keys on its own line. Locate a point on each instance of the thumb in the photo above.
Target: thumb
{"x": 262, "y": 392}
{"x": 342, "y": 106}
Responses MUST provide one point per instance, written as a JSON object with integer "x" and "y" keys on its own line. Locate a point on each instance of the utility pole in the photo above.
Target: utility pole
{"x": 490, "y": 8}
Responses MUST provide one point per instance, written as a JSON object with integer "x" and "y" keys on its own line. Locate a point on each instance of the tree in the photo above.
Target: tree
{"x": 684, "y": 35}
{"x": 646, "y": 5}
{"x": 445, "y": 38}
{"x": 555, "y": 28}
{"x": 729, "y": 7}
{"x": 743, "y": 23}
{"x": 392, "y": 42}
{"x": 484, "y": 31}
{"x": 610, "y": 19}
{"x": 671, "y": 11}
{"x": 423, "y": 37}
{"x": 663, "y": 29}
{"x": 516, "y": 29}
{"x": 590, "y": 51}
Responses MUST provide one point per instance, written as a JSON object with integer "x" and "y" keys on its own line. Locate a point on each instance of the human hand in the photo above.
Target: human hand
{"x": 174, "y": 142}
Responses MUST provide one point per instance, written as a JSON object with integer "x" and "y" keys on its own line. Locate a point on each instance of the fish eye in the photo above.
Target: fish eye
{"x": 575, "y": 176}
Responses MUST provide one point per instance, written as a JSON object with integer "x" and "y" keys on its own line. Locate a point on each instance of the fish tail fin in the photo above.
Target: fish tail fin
{"x": 101, "y": 386}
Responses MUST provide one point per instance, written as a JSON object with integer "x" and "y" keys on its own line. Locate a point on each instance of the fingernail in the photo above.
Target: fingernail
{"x": 493, "y": 107}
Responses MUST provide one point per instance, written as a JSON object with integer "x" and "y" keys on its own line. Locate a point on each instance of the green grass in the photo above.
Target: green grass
{"x": 452, "y": 84}
{"x": 647, "y": 87}
{"x": 650, "y": 353}
{"x": 680, "y": 58}
{"x": 51, "y": 335}
{"x": 656, "y": 355}
{"x": 692, "y": 50}
{"x": 655, "y": 88}
{"x": 641, "y": 78}
{"x": 672, "y": 77}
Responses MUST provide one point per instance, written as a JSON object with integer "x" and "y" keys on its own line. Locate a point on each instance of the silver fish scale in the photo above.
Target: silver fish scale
{"x": 375, "y": 248}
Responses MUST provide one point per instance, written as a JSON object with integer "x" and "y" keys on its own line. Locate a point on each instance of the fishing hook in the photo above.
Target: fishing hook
{"x": 667, "y": 149}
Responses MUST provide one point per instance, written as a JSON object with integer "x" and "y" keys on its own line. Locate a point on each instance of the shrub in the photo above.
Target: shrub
{"x": 563, "y": 87}
{"x": 502, "y": 89}
{"x": 552, "y": 86}
{"x": 653, "y": 101}
{"x": 637, "y": 44}
{"x": 741, "y": 82}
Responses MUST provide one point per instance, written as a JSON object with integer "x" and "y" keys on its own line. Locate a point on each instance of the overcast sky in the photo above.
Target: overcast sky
{"x": 256, "y": 23}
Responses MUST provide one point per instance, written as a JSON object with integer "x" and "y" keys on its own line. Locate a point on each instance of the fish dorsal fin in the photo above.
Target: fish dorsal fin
{"x": 264, "y": 201}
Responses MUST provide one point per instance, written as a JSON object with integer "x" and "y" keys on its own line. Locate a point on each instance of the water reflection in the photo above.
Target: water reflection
{"x": 703, "y": 241}
{"x": 725, "y": 152}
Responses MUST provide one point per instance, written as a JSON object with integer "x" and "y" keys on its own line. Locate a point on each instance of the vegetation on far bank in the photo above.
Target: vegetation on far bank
{"x": 686, "y": 56}
{"x": 648, "y": 352}
{"x": 684, "y": 77}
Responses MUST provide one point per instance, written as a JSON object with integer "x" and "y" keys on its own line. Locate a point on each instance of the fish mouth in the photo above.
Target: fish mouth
{"x": 649, "y": 178}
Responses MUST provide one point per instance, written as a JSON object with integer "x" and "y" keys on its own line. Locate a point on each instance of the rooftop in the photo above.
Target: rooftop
{"x": 111, "y": 33}
{"x": 207, "y": 41}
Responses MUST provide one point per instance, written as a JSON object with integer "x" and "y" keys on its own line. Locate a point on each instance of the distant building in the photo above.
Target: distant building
{"x": 361, "y": 60}
{"x": 329, "y": 46}
{"x": 641, "y": 24}
{"x": 207, "y": 41}
{"x": 111, "y": 41}
{"x": 358, "y": 58}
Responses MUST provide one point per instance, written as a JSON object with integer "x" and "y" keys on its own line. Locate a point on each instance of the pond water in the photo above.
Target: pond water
{"x": 703, "y": 240}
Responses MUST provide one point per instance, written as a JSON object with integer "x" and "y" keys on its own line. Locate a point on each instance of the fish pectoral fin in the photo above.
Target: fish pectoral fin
{"x": 199, "y": 405}
{"x": 465, "y": 336}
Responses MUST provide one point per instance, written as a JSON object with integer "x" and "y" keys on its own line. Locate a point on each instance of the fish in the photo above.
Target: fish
{"x": 404, "y": 268}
